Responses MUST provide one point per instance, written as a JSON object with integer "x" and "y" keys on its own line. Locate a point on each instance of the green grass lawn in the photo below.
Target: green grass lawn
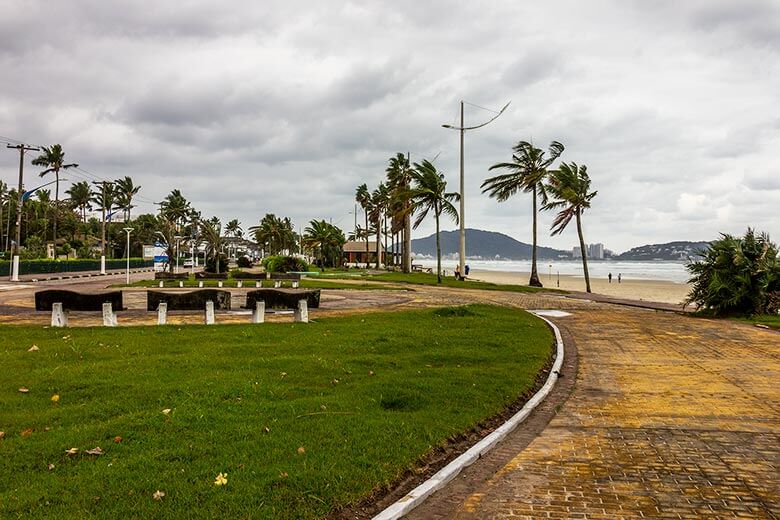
{"x": 769, "y": 321}
{"x": 449, "y": 281}
{"x": 307, "y": 283}
{"x": 302, "y": 417}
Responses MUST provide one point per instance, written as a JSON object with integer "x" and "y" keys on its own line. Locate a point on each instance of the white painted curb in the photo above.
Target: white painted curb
{"x": 451, "y": 470}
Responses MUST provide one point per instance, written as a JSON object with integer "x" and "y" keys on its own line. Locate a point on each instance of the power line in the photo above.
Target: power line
{"x": 483, "y": 108}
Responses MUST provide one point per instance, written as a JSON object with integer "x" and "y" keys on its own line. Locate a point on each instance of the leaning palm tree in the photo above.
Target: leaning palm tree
{"x": 105, "y": 198}
{"x": 568, "y": 188}
{"x": 53, "y": 158}
{"x": 125, "y": 191}
{"x": 211, "y": 235}
{"x": 233, "y": 228}
{"x": 80, "y": 197}
{"x": 175, "y": 208}
{"x": 363, "y": 197}
{"x": 429, "y": 192}
{"x": 528, "y": 171}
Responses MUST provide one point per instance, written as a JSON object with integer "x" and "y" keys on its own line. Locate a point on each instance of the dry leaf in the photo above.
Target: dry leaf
{"x": 267, "y": 429}
{"x": 166, "y": 411}
{"x": 72, "y": 451}
{"x": 158, "y": 495}
{"x": 66, "y": 337}
{"x": 34, "y": 348}
{"x": 24, "y": 390}
{"x": 283, "y": 374}
{"x": 27, "y": 432}
{"x": 283, "y": 474}
{"x": 335, "y": 381}
{"x": 221, "y": 479}
{"x": 94, "y": 451}
{"x": 301, "y": 450}
{"x": 2, "y": 435}
{"x": 50, "y": 466}
{"x": 117, "y": 439}
{"x": 55, "y": 398}
{"x": 371, "y": 372}
{"x": 323, "y": 407}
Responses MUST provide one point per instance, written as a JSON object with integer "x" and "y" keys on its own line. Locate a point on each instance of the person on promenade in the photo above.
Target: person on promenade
{"x": 457, "y": 272}
{"x": 609, "y": 276}
{"x": 620, "y": 277}
{"x": 467, "y": 270}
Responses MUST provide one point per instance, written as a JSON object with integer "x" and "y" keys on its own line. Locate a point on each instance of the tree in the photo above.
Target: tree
{"x": 737, "y": 275}
{"x": 399, "y": 175}
{"x": 363, "y": 198}
{"x": 3, "y": 200}
{"x": 175, "y": 208}
{"x": 275, "y": 234}
{"x": 233, "y": 228}
{"x": 569, "y": 190}
{"x": 105, "y": 198}
{"x": 125, "y": 191}
{"x": 53, "y": 158}
{"x": 326, "y": 242}
{"x": 528, "y": 170}
{"x": 429, "y": 193}
{"x": 211, "y": 235}
{"x": 80, "y": 197}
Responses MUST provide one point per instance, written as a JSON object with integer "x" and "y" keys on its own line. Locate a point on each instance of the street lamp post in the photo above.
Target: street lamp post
{"x": 127, "y": 253}
{"x": 462, "y": 217}
{"x": 177, "y": 237}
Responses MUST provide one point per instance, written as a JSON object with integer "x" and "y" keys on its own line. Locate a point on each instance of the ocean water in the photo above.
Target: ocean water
{"x": 659, "y": 270}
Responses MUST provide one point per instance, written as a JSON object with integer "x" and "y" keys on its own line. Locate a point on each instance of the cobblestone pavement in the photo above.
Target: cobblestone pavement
{"x": 670, "y": 417}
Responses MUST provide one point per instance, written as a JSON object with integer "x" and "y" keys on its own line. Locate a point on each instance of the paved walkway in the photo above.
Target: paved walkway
{"x": 670, "y": 417}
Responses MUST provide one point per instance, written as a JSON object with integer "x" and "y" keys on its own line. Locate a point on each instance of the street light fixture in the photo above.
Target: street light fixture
{"x": 127, "y": 230}
{"x": 462, "y": 217}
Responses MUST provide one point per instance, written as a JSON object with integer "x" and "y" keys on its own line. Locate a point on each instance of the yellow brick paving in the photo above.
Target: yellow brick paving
{"x": 671, "y": 417}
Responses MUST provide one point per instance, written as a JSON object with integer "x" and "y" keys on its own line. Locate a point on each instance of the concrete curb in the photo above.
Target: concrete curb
{"x": 451, "y": 470}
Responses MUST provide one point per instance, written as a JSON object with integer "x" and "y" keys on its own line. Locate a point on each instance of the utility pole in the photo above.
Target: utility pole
{"x": 22, "y": 148}
{"x": 103, "y": 185}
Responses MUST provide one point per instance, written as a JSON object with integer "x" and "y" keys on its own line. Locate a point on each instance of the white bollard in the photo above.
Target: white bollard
{"x": 162, "y": 313}
{"x": 277, "y": 284}
{"x": 239, "y": 284}
{"x": 162, "y": 284}
{"x": 209, "y": 312}
{"x": 59, "y": 317}
{"x": 200, "y": 284}
{"x": 103, "y": 265}
{"x": 258, "y": 315}
{"x": 295, "y": 284}
{"x": 181, "y": 284}
{"x": 219, "y": 283}
{"x": 109, "y": 317}
{"x": 258, "y": 284}
{"x": 15, "y": 269}
{"x": 302, "y": 312}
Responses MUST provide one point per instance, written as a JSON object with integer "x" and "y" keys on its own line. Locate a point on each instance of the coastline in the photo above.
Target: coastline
{"x": 632, "y": 289}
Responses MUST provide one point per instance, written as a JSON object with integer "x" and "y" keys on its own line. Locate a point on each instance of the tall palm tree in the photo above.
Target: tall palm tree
{"x": 233, "y": 228}
{"x": 175, "y": 208}
{"x": 125, "y": 191}
{"x": 569, "y": 190}
{"x": 53, "y": 158}
{"x": 429, "y": 193}
{"x": 377, "y": 208}
{"x": 528, "y": 170}
{"x": 105, "y": 198}
{"x": 399, "y": 176}
{"x": 325, "y": 240}
{"x": 363, "y": 198}
{"x": 80, "y": 197}
{"x": 211, "y": 235}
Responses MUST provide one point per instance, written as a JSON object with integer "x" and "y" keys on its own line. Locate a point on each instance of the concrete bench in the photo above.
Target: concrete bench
{"x": 207, "y": 300}
{"x": 60, "y": 302}
{"x": 300, "y": 300}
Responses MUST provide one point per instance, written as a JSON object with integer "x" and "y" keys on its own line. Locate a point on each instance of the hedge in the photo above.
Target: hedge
{"x": 67, "y": 266}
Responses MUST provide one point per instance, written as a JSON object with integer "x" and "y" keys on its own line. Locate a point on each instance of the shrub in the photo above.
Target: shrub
{"x": 284, "y": 264}
{"x": 211, "y": 264}
{"x": 737, "y": 276}
{"x": 244, "y": 262}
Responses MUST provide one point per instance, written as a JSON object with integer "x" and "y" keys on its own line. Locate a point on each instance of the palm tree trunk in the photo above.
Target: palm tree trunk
{"x": 103, "y": 232}
{"x": 407, "y": 252}
{"x": 584, "y": 252}
{"x": 384, "y": 223}
{"x": 378, "y": 239}
{"x": 366, "y": 214}
{"x": 438, "y": 251}
{"x": 56, "y": 209}
{"x": 534, "y": 281}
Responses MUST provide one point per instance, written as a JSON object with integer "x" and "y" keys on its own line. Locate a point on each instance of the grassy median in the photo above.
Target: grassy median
{"x": 301, "y": 418}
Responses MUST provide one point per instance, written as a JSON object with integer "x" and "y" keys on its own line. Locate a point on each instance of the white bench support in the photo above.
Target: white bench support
{"x": 302, "y": 312}
{"x": 181, "y": 284}
{"x": 162, "y": 313}
{"x": 295, "y": 284}
{"x": 59, "y": 317}
{"x": 109, "y": 316}
{"x": 258, "y": 314}
{"x": 219, "y": 283}
{"x": 209, "y": 312}
{"x": 277, "y": 284}
{"x": 258, "y": 284}
{"x": 239, "y": 284}
{"x": 200, "y": 284}
{"x": 162, "y": 284}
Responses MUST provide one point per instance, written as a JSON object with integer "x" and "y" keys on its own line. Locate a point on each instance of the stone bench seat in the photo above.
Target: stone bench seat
{"x": 60, "y": 301}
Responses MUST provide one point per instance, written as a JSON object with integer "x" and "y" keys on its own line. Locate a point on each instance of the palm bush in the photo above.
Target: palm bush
{"x": 737, "y": 275}
{"x": 284, "y": 264}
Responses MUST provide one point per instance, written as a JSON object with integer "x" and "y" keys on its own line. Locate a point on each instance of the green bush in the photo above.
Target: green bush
{"x": 211, "y": 264}
{"x": 46, "y": 266}
{"x": 737, "y": 275}
{"x": 284, "y": 264}
{"x": 244, "y": 262}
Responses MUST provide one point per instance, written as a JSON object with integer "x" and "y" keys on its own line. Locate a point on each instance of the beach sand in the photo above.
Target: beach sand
{"x": 646, "y": 290}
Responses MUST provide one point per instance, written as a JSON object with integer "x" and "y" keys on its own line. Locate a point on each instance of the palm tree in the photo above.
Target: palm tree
{"x": 399, "y": 175}
{"x": 376, "y": 212}
{"x": 211, "y": 235}
{"x": 125, "y": 191}
{"x": 3, "y": 199}
{"x": 175, "y": 208}
{"x": 569, "y": 190}
{"x": 233, "y": 228}
{"x": 80, "y": 197}
{"x": 105, "y": 198}
{"x": 53, "y": 158}
{"x": 429, "y": 192}
{"x": 363, "y": 197}
{"x": 325, "y": 240}
{"x": 528, "y": 171}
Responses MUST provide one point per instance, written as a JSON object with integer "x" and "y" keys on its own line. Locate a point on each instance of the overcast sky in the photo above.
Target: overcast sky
{"x": 286, "y": 107}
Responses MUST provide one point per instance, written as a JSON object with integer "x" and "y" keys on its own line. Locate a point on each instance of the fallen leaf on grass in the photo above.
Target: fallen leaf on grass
{"x": 335, "y": 381}
{"x": 283, "y": 474}
{"x": 34, "y": 348}
{"x": 27, "y": 432}
{"x": 283, "y": 374}
{"x": 66, "y": 337}
{"x": 158, "y": 495}
{"x": 50, "y": 466}
{"x": 55, "y": 398}
{"x": 371, "y": 372}
{"x": 24, "y": 390}
{"x": 117, "y": 439}
{"x": 267, "y": 429}
{"x": 301, "y": 450}
{"x": 221, "y": 480}
{"x": 2, "y": 435}
{"x": 94, "y": 451}
{"x": 72, "y": 451}
{"x": 166, "y": 411}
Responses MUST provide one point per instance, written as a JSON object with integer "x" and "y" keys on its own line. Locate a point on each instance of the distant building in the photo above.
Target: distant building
{"x": 596, "y": 251}
{"x": 576, "y": 252}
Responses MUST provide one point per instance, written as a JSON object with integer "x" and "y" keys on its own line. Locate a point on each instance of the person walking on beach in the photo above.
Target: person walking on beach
{"x": 467, "y": 270}
{"x": 457, "y": 272}
{"x": 620, "y": 276}
{"x": 609, "y": 276}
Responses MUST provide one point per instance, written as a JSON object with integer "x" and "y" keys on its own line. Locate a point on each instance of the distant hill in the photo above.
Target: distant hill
{"x": 670, "y": 251}
{"x": 484, "y": 244}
